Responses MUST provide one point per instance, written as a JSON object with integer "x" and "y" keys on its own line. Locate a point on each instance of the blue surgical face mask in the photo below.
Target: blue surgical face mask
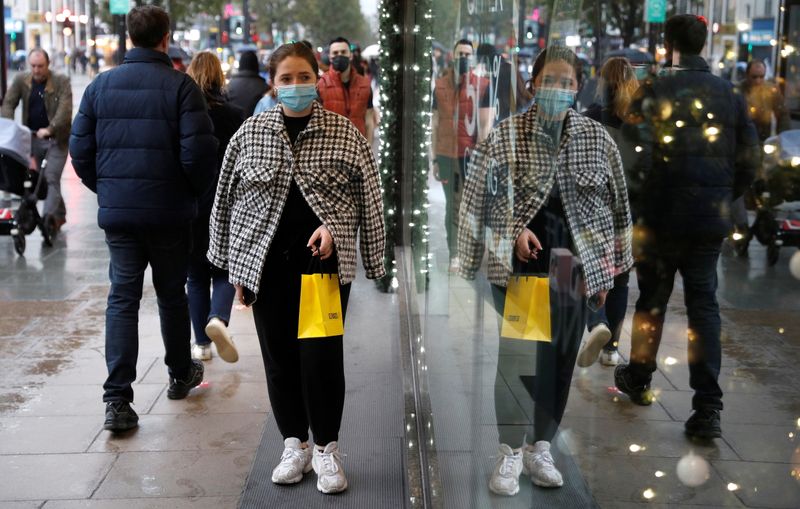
{"x": 297, "y": 97}
{"x": 554, "y": 101}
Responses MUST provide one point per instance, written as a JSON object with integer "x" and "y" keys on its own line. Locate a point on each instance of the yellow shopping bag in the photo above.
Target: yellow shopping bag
{"x": 526, "y": 314}
{"x": 320, "y": 307}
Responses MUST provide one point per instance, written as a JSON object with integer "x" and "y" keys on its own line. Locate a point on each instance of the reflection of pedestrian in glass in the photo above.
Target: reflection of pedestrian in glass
{"x": 615, "y": 90}
{"x": 549, "y": 178}
{"x": 298, "y": 184}
{"x": 462, "y": 116}
{"x": 764, "y": 103}
{"x": 211, "y": 312}
{"x": 700, "y": 151}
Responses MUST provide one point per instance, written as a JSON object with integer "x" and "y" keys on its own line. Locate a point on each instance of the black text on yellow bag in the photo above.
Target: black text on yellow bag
{"x": 320, "y": 306}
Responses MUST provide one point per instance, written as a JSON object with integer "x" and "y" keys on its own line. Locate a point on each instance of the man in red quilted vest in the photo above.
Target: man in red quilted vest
{"x": 462, "y": 118}
{"x": 346, "y": 92}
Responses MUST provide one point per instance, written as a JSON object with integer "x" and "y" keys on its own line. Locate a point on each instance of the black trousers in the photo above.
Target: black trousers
{"x": 305, "y": 377}
{"x": 554, "y": 361}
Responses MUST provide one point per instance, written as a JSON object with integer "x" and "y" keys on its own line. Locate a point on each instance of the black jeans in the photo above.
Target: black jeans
{"x": 305, "y": 377}
{"x": 555, "y": 362}
{"x": 167, "y": 252}
{"x": 656, "y": 265}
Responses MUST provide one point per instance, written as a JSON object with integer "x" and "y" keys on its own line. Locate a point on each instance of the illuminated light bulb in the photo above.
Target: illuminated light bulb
{"x": 769, "y": 149}
{"x": 680, "y": 123}
{"x": 670, "y": 361}
{"x": 710, "y": 116}
{"x": 732, "y": 486}
{"x": 635, "y": 448}
{"x": 668, "y": 139}
{"x": 638, "y": 148}
{"x": 712, "y": 131}
{"x": 649, "y": 494}
{"x": 659, "y": 473}
{"x": 698, "y": 104}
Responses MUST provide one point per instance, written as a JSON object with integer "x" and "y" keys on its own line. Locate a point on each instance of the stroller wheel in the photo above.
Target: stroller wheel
{"x": 773, "y": 253}
{"x": 19, "y": 244}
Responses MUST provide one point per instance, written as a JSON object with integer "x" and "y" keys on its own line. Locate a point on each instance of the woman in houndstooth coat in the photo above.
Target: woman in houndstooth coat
{"x": 548, "y": 178}
{"x": 297, "y": 186}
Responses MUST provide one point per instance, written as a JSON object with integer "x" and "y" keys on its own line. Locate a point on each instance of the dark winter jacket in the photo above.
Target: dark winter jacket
{"x": 698, "y": 151}
{"x": 226, "y": 119}
{"x": 143, "y": 141}
{"x": 246, "y": 89}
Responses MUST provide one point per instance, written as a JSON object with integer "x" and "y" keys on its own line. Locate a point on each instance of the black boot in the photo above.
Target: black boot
{"x": 704, "y": 424}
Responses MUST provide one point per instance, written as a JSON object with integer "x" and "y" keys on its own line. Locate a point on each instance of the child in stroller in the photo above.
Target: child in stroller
{"x": 17, "y": 178}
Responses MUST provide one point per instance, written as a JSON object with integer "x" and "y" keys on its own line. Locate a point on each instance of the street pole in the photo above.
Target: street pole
{"x": 246, "y": 27}
{"x": 3, "y": 53}
{"x": 122, "y": 40}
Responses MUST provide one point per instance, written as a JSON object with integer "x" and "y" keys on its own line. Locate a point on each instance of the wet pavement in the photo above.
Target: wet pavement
{"x": 198, "y": 452}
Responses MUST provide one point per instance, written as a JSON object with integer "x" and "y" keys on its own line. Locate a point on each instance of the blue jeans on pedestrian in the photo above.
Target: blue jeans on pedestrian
{"x": 167, "y": 253}
{"x": 613, "y": 313}
{"x": 210, "y": 295}
{"x": 656, "y": 265}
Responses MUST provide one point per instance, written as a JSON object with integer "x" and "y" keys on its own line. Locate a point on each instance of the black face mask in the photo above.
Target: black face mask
{"x": 463, "y": 65}
{"x": 340, "y": 63}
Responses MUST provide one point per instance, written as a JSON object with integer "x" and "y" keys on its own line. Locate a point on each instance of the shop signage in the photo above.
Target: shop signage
{"x": 119, "y": 6}
{"x": 656, "y": 11}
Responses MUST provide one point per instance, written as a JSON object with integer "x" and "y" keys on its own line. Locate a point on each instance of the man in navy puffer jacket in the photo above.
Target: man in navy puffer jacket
{"x": 144, "y": 143}
{"x": 699, "y": 151}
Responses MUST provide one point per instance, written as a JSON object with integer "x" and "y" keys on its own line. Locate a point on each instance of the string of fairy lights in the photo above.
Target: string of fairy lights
{"x": 390, "y": 155}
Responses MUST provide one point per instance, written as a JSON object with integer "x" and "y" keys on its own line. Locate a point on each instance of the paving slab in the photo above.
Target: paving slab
{"x": 46, "y": 476}
{"x": 176, "y": 474}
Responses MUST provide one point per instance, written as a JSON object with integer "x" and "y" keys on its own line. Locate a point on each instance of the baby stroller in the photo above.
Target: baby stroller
{"x": 777, "y": 195}
{"x": 18, "y": 179}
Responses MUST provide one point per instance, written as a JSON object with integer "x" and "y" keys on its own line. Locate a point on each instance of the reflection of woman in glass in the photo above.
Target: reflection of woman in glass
{"x": 549, "y": 178}
{"x": 615, "y": 91}
{"x": 298, "y": 184}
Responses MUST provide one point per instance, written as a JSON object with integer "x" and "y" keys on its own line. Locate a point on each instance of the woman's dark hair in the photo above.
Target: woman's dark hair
{"x": 686, "y": 33}
{"x": 147, "y": 25}
{"x": 554, "y": 53}
{"x": 292, "y": 49}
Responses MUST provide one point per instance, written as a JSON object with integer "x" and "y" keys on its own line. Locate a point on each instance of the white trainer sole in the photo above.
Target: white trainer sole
{"x": 218, "y": 333}
{"x": 293, "y": 480}
{"x": 590, "y": 349}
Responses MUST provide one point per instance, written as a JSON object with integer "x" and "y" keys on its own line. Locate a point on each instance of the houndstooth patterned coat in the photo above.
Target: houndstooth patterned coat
{"x": 511, "y": 175}
{"x": 336, "y": 172}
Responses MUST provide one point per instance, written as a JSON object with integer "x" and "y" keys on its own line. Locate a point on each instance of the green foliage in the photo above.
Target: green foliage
{"x": 326, "y": 19}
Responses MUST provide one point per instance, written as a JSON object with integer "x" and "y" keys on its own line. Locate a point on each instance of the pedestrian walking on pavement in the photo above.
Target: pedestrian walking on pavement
{"x": 46, "y": 98}
{"x": 247, "y": 87}
{"x": 699, "y": 152}
{"x": 297, "y": 186}
{"x": 211, "y": 311}
{"x": 615, "y": 90}
{"x": 143, "y": 141}
{"x": 548, "y": 178}
{"x": 346, "y": 92}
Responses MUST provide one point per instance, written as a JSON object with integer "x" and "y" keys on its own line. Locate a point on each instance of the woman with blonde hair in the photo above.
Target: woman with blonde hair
{"x": 615, "y": 91}
{"x": 211, "y": 311}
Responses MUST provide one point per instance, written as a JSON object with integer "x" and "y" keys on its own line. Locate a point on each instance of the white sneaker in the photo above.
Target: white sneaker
{"x": 201, "y": 352}
{"x": 327, "y": 464}
{"x": 609, "y": 358}
{"x": 590, "y": 349}
{"x": 217, "y": 331}
{"x": 537, "y": 462}
{"x": 295, "y": 461}
{"x": 505, "y": 477}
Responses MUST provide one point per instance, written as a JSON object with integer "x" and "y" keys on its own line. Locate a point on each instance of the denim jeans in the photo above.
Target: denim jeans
{"x": 613, "y": 313}
{"x": 210, "y": 295}
{"x": 167, "y": 253}
{"x": 656, "y": 265}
